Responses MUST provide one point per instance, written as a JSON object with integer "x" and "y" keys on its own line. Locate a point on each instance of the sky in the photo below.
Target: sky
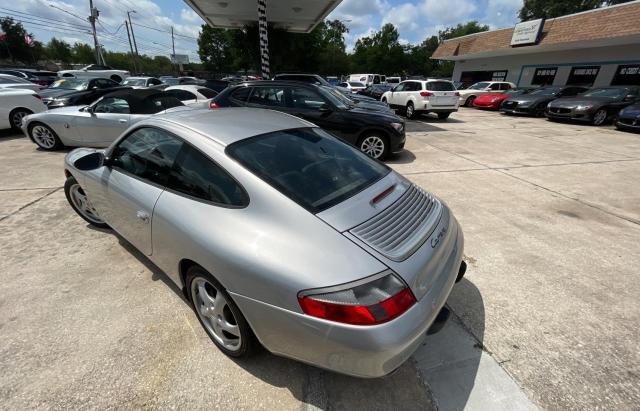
{"x": 415, "y": 20}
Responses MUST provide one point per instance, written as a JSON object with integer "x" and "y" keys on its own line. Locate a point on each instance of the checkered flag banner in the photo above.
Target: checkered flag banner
{"x": 264, "y": 39}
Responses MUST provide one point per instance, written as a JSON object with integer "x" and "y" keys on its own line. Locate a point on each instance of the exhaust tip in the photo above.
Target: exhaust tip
{"x": 461, "y": 271}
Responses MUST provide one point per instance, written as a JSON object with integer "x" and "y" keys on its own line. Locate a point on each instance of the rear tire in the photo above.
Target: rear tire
{"x": 410, "y": 111}
{"x": 44, "y": 137}
{"x": 443, "y": 116}
{"x": 219, "y": 315}
{"x": 16, "y": 116}
{"x": 79, "y": 201}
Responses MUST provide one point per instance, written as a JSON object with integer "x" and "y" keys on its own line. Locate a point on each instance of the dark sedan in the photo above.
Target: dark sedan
{"x": 535, "y": 102}
{"x": 629, "y": 118}
{"x": 71, "y": 91}
{"x": 377, "y": 133}
{"x": 595, "y": 106}
{"x": 40, "y": 77}
{"x": 375, "y": 90}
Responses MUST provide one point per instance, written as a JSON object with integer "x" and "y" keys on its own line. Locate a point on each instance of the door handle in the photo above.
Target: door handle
{"x": 143, "y": 216}
{"x": 122, "y": 120}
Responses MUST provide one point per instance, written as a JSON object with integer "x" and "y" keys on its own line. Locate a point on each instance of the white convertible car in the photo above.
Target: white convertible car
{"x": 98, "y": 124}
{"x": 96, "y": 71}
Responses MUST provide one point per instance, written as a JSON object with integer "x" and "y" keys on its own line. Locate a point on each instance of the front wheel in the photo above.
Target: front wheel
{"x": 599, "y": 117}
{"x": 44, "y": 137}
{"x": 80, "y": 203}
{"x": 469, "y": 101}
{"x": 16, "y": 116}
{"x": 443, "y": 116}
{"x": 374, "y": 145}
{"x": 219, "y": 315}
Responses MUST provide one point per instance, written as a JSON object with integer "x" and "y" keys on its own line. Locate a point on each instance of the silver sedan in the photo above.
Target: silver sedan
{"x": 279, "y": 234}
{"x": 98, "y": 124}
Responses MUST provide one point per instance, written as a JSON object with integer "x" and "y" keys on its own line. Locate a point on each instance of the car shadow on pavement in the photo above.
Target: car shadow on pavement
{"x": 433, "y": 118}
{"x": 450, "y": 360}
{"x": 404, "y": 157}
{"x": 413, "y": 126}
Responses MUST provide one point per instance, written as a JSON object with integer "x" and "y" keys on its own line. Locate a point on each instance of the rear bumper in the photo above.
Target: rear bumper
{"x": 362, "y": 351}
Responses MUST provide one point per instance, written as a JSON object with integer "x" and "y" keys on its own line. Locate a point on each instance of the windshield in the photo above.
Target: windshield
{"x": 519, "y": 92}
{"x": 355, "y": 84}
{"x": 547, "y": 91}
{"x": 440, "y": 86}
{"x": 606, "y": 92}
{"x": 335, "y": 97}
{"x": 70, "y": 84}
{"x": 479, "y": 86}
{"x": 310, "y": 166}
{"x": 134, "y": 82}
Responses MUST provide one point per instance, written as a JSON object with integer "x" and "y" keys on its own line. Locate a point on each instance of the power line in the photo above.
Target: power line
{"x": 164, "y": 31}
{"x": 42, "y": 19}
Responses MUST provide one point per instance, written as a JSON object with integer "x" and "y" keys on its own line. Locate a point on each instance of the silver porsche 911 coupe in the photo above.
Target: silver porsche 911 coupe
{"x": 279, "y": 234}
{"x": 98, "y": 124}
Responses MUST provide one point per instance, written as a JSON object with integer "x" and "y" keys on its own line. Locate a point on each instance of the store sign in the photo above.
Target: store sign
{"x": 527, "y": 33}
{"x": 179, "y": 58}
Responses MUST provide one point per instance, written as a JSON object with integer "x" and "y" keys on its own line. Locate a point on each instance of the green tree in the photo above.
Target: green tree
{"x": 214, "y": 48}
{"x": 536, "y": 9}
{"x": 59, "y": 50}
{"x": 83, "y": 53}
{"x": 333, "y": 57}
{"x": 379, "y": 53}
{"x": 14, "y": 46}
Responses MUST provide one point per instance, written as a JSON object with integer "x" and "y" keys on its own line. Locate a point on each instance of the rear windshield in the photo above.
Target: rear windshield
{"x": 308, "y": 165}
{"x": 479, "y": 86}
{"x": 207, "y": 92}
{"x": 440, "y": 86}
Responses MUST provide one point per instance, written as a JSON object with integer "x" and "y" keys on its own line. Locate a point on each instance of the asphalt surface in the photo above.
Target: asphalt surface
{"x": 551, "y": 215}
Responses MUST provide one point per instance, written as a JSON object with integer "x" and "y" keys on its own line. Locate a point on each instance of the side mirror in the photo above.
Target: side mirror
{"x": 90, "y": 161}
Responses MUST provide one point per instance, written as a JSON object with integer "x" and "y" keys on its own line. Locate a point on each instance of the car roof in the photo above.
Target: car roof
{"x": 276, "y": 83}
{"x": 228, "y": 125}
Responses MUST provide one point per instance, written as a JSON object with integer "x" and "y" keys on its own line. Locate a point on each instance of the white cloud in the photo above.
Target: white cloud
{"x": 501, "y": 13}
{"x": 190, "y": 16}
{"x": 358, "y": 14}
{"x": 449, "y": 11}
{"x": 405, "y": 17}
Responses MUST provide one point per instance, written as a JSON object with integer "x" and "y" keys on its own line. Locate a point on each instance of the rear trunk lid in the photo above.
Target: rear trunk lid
{"x": 443, "y": 93}
{"x": 396, "y": 221}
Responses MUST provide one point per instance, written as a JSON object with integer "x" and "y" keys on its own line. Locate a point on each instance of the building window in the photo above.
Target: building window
{"x": 499, "y": 76}
{"x": 544, "y": 76}
{"x": 627, "y": 75}
{"x": 583, "y": 76}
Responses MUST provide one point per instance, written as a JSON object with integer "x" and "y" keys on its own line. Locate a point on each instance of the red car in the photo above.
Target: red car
{"x": 494, "y": 101}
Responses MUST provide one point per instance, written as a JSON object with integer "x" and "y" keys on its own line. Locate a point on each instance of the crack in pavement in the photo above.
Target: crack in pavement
{"x": 29, "y": 204}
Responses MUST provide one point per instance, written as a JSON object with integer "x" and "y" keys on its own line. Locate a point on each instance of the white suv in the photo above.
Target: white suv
{"x": 484, "y": 87}
{"x": 423, "y": 96}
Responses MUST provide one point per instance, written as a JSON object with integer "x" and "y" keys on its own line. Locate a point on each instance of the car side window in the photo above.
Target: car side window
{"x": 306, "y": 99}
{"x": 104, "y": 83}
{"x": 268, "y": 96}
{"x": 194, "y": 174}
{"x": 207, "y": 92}
{"x": 495, "y": 86}
{"x": 147, "y": 153}
{"x": 155, "y": 82}
{"x": 241, "y": 94}
{"x": 112, "y": 105}
{"x": 401, "y": 87}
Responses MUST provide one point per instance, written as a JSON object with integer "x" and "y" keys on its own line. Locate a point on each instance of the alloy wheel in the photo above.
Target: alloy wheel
{"x": 43, "y": 137}
{"x": 16, "y": 118}
{"x": 599, "y": 117}
{"x": 373, "y": 146}
{"x": 409, "y": 110}
{"x": 216, "y": 315}
{"x": 83, "y": 205}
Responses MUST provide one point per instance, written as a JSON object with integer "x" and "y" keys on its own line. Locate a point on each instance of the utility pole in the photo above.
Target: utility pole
{"x": 173, "y": 45}
{"x": 133, "y": 36}
{"x": 133, "y": 57}
{"x": 92, "y": 19}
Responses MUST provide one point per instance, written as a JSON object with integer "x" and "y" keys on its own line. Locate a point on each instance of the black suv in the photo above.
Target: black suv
{"x": 376, "y": 133}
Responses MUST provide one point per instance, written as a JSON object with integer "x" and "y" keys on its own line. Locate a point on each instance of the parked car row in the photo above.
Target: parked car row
{"x": 597, "y": 106}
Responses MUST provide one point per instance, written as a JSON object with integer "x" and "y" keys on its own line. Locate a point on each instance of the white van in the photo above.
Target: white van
{"x": 368, "y": 79}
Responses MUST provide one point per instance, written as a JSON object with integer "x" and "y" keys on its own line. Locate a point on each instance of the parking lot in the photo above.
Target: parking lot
{"x": 546, "y": 316}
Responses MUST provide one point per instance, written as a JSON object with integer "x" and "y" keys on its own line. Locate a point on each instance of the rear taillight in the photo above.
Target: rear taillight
{"x": 213, "y": 105}
{"x": 457, "y": 94}
{"x": 373, "y": 302}
{"x": 426, "y": 94}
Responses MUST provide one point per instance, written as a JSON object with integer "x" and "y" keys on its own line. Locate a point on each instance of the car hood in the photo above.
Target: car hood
{"x": 366, "y": 105}
{"x": 579, "y": 101}
{"x": 383, "y": 115}
{"x": 525, "y": 99}
{"x": 52, "y": 92}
